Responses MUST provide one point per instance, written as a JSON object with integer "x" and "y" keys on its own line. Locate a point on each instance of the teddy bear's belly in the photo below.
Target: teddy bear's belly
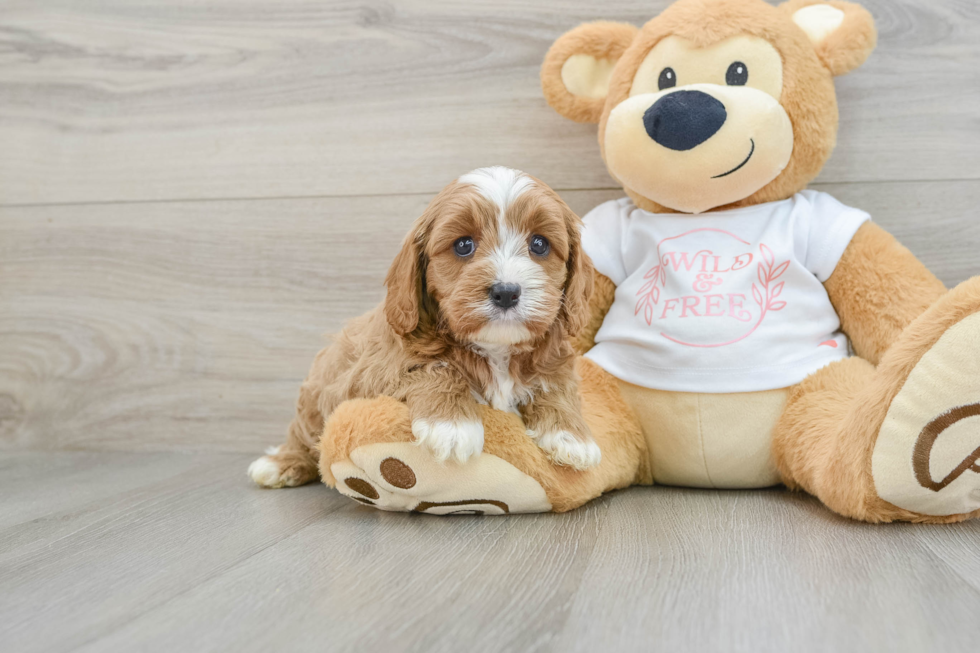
{"x": 709, "y": 440}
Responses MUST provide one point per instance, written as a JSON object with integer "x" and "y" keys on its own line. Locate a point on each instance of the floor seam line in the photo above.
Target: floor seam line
{"x": 273, "y": 198}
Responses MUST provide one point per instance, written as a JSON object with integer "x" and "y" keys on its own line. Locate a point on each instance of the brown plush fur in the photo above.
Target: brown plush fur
{"x": 602, "y": 40}
{"x": 599, "y": 305}
{"x": 824, "y": 440}
{"x": 847, "y": 47}
{"x": 423, "y": 345}
{"x": 358, "y": 422}
{"x": 811, "y": 448}
{"x": 877, "y": 289}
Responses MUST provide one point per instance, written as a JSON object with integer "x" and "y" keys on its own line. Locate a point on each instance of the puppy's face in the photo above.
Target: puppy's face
{"x": 497, "y": 255}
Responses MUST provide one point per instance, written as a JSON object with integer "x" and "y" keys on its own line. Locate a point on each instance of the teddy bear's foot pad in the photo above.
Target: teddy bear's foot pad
{"x": 927, "y": 455}
{"x": 404, "y": 477}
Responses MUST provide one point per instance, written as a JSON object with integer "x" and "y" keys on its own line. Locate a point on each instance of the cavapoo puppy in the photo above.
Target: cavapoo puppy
{"x": 482, "y": 298}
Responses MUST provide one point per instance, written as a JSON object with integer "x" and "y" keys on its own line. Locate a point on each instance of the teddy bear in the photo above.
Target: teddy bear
{"x": 745, "y": 332}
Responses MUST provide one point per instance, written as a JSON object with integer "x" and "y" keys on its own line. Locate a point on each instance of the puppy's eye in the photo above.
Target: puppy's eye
{"x": 668, "y": 79}
{"x": 737, "y": 75}
{"x": 464, "y": 246}
{"x": 539, "y": 246}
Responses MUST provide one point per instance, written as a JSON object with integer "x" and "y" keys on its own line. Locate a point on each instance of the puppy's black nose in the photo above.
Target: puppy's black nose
{"x": 682, "y": 120}
{"x": 505, "y": 295}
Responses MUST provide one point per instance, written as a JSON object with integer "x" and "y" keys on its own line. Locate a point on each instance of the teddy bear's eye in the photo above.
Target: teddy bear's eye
{"x": 737, "y": 75}
{"x": 668, "y": 79}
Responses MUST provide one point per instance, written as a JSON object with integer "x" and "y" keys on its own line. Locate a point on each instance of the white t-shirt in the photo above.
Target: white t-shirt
{"x": 731, "y": 301}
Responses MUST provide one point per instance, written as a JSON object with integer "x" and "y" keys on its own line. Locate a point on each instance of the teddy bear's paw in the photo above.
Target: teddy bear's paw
{"x": 405, "y": 477}
{"x": 927, "y": 455}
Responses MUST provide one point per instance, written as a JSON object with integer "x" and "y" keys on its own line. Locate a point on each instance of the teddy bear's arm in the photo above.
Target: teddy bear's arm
{"x": 602, "y": 297}
{"x": 877, "y": 289}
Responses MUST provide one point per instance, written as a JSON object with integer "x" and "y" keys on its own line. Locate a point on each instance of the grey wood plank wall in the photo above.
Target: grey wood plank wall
{"x": 192, "y": 193}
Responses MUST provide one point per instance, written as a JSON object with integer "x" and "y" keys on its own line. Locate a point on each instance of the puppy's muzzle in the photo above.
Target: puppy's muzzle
{"x": 505, "y": 295}
{"x": 682, "y": 120}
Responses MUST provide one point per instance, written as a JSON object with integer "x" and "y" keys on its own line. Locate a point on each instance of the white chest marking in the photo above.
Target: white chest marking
{"x": 503, "y": 393}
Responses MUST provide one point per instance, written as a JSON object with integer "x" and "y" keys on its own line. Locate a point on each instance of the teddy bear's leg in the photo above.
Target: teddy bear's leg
{"x": 900, "y": 442}
{"x": 367, "y": 453}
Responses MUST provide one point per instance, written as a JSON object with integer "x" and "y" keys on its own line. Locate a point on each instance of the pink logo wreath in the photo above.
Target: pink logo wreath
{"x": 765, "y": 294}
{"x": 650, "y": 292}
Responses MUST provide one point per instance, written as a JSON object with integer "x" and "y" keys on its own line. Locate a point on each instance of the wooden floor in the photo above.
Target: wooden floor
{"x": 193, "y": 191}
{"x": 176, "y": 552}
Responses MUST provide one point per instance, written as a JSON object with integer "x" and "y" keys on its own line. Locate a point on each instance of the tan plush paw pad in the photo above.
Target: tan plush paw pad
{"x": 926, "y": 457}
{"x": 405, "y": 477}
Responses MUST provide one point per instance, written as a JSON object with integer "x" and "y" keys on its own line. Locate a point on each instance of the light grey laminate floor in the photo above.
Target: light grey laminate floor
{"x": 177, "y": 552}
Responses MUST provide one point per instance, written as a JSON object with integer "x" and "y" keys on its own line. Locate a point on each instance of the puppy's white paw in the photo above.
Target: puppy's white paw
{"x": 458, "y": 440}
{"x": 566, "y": 449}
{"x": 265, "y": 471}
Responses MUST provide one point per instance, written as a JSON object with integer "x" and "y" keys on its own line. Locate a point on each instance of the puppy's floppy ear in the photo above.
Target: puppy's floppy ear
{"x": 404, "y": 282}
{"x": 579, "y": 279}
{"x": 842, "y": 33}
{"x": 576, "y": 71}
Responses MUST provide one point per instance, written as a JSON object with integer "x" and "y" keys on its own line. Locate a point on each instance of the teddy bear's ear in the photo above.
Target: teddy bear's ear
{"x": 842, "y": 33}
{"x": 576, "y": 71}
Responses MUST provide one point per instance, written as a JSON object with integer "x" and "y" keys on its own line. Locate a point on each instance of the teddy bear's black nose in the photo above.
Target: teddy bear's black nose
{"x": 682, "y": 120}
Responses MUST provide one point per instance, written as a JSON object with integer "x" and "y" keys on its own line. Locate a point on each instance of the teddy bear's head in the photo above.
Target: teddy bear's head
{"x": 713, "y": 103}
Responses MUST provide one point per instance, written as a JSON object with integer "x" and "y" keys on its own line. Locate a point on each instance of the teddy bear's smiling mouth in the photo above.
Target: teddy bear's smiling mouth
{"x": 739, "y": 166}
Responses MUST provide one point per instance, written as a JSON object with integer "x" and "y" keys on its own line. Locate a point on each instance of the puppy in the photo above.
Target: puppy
{"x": 489, "y": 284}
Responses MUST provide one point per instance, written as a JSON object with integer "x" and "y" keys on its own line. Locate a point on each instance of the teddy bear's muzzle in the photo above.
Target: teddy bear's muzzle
{"x": 698, "y": 147}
